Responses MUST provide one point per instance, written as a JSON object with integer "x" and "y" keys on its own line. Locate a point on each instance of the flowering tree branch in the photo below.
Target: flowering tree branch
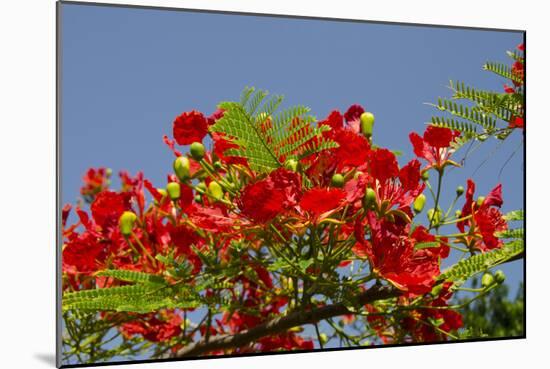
{"x": 282, "y": 324}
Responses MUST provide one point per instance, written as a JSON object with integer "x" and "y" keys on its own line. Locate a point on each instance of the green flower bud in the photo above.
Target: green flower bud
{"x": 419, "y": 203}
{"x": 367, "y": 123}
{"x": 126, "y": 222}
{"x": 198, "y": 199}
{"x": 197, "y": 151}
{"x": 174, "y": 190}
{"x": 201, "y": 187}
{"x": 435, "y": 215}
{"x": 218, "y": 165}
{"x": 215, "y": 190}
{"x": 499, "y": 276}
{"x": 459, "y": 191}
{"x": 487, "y": 280}
{"x": 182, "y": 168}
{"x": 480, "y": 200}
{"x": 337, "y": 180}
{"x": 370, "y": 198}
{"x": 323, "y": 338}
{"x": 108, "y": 172}
{"x": 291, "y": 164}
{"x": 425, "y": 175}
{"x": 458, "y": 214}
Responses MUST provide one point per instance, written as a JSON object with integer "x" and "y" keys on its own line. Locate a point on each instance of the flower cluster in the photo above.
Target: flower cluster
{"x": 278, "y": 241}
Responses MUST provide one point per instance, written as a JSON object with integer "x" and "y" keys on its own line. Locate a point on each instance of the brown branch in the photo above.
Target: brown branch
{"x": 282, "y": 324}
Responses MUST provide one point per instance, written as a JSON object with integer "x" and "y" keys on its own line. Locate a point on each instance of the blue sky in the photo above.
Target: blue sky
{"x": 127, "y": 73}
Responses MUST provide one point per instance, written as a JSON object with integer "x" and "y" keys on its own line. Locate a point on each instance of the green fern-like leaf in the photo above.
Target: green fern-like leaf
{"x": 265, "y": 137}
{"x": 511, "y": 233}
{"x": 467, "y": 268}
{"x": 514, "y": 215}
{"x": 132, "y": 276}
{"x": 464, "y": 112}
{"x": 503, "y": 71}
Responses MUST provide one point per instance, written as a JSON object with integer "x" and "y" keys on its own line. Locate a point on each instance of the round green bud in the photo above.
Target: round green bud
{"x": 215, "y": 190}
{"x": 419, "y": 203}
{"x": 218, "y": 165}
{"x": 182, "y": 168}
{"x": 367, "y": 123}
{"x": 198, "y": 199}
{"x": 499, "y": 276}
{"x": 337, "y": 180}
{"x": 197, "y": 151}
{"x": 291, "y": 164}
{"x": 323, "y": 338}
{"x": 487, "y": 280}
{"x": 459, "y": 191}
{"x": 480, "y": 200}
{"x": 434, "y": 217}
{"x": 126, "y": 222}
{"x": 458, "y": 214}
{"x": 425, "y": 175}
{"x": 108, "y": 172}
{"x": 174, "y": 190}
{"x": 201, "y": 187}
{"x": 370, "y": 198}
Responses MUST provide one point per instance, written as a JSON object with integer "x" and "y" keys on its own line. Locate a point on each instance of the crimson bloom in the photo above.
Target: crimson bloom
{"x": 393, "y": 256}
{"x": 154, "y": 327}
{"x": 95, "y": 180}
{"x": 485, "y": 219}
{"x": 264, "y": 200}
{"x": 109, "y": 206}
{"x": 318, "y": 201}
{"x": 435, "y": 146}
{"x": 190, "y": 127}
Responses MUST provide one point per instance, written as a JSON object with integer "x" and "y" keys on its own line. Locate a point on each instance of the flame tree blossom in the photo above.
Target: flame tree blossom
{"x": 274, "y": 248}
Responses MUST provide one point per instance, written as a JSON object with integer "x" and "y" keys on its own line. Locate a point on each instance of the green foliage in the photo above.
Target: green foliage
{"x": 132, "y": 276}
{"x": 265, "y": 137}
{"x": 149, "y": 293}
{"x": 467, "y": 268}
{"x": 481, "y": 114}
{"x": 502, "y": 70}
{"x": 494, "y": 315}
{"x": 514, "y": 215}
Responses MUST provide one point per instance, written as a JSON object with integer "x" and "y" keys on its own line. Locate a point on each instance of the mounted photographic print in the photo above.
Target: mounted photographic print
{"x": 246, "y": 184}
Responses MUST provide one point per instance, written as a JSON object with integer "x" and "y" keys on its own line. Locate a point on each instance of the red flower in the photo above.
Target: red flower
{"x": 83, "y": 254}
{"x": 392, "y": 254}
{"x": 508, "y": 89}
{"x": 95, "y": 181}
{"x": 353, "y": 149}
{"x": 108, "y": 207}
{"x": 434, "y": 146}
{"x": 485, "y": 220}
{"x": 516, "y": 122}
{"x": 190, "y": 127}
{"x": 335, "y": 120}
{"x": 383, "y": 164}
{"x": 264, "y": 200}
{"x": 318, "y": 201}
{"x": 153, "y": 328}
{"x": 353, "y": 117}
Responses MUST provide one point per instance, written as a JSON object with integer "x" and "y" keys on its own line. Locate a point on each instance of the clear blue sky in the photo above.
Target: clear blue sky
{"x": 128, "y": 72}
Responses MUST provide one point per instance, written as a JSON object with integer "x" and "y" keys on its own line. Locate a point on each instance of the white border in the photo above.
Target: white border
{"x": 27, "y": 186}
